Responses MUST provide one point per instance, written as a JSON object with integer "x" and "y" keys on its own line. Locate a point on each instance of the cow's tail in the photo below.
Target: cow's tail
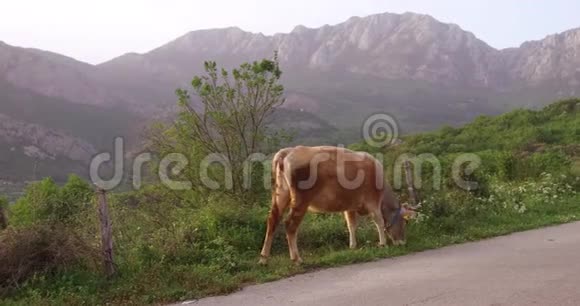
{"x": 274, "y": 177}
{"x": 275, "y": 211}
{"x": 277, "y": 169}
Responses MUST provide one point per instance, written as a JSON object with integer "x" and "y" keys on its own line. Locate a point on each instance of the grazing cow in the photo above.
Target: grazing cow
{"x": 331, "y": 179}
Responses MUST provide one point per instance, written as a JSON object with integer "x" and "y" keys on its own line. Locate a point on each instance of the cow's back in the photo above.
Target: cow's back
{"x": 325, "y": 178}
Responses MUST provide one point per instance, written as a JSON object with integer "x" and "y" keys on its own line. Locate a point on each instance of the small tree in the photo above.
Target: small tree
{"x": 230, "y": 118}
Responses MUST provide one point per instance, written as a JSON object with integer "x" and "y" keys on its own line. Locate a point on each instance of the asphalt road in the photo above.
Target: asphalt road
{"x": 539, "y": 267}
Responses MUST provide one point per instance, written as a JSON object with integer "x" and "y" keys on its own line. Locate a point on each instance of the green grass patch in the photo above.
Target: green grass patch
{"x": 167, "y": 279}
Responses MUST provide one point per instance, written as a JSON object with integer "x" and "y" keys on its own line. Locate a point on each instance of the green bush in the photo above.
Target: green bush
{"x": 46, "y": 202}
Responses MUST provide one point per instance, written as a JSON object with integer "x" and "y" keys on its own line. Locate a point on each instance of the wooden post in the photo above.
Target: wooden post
{"x": 413, "y": 197}
{"x": 106, "y": 233}
{"x": 3, "y": 222}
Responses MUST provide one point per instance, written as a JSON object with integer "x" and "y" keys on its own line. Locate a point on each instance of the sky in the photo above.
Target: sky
{"x": 97, "y": 31}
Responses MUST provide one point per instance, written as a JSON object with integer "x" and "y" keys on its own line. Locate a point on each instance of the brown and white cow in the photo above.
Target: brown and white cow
{"x": 330, "y": 180}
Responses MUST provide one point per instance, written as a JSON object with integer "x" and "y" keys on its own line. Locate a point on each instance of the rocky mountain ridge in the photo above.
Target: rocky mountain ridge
{"x": 423, "y": 72}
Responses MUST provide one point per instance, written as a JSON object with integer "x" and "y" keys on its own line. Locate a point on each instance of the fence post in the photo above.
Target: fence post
{"x": 106, "y": 233}
{"x": 413, "y": 197}
{"x": 3, "y": 221}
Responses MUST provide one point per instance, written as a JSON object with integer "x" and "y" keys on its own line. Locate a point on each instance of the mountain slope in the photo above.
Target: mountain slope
{"x": 46, "y": 136}
{"x": 423, "y": 72}
{"x": 407, "y": 64}
{"x": 553, "y": 59}
{"x": 389, "y": 46}
{"x": 52, "y": 75}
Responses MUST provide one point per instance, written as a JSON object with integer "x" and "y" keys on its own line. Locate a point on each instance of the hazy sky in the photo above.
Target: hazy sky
{"x": 98, "y": 30}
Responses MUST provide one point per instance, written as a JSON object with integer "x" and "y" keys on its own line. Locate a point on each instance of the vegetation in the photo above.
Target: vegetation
{"x": 231, "y": 121}
{"x": 175, "y": 245}
{"x": 46, "y": 203}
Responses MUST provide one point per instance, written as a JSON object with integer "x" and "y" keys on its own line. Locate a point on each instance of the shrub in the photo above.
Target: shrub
{"x": 39, "y": 249}
{"x": 45, "y": 202}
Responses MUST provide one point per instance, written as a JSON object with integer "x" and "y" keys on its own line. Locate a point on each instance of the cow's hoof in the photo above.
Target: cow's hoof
{"x": 263, "y": 261}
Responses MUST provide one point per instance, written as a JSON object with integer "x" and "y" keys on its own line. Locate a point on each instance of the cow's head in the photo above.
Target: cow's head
{"x": 396, "y": 223}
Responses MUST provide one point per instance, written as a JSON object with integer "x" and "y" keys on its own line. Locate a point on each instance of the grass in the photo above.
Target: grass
{"x": 576, "y": 167}
{"x": 160, "y": 282}
{"x": 482, "y": 228}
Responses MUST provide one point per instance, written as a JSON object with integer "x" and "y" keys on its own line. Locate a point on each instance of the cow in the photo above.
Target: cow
{"x": 329, "y": 179}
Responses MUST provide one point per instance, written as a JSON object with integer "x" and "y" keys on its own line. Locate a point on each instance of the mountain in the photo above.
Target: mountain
{"x": 386, "y": 46}
{"x": 54, "y": 115}
{"x": 379, "y": 61}
{"x": 423, "y": 72}
{"x": 52, "y": 75}
{"x": 48, "y": 136}
{"x": 555, "y": 59}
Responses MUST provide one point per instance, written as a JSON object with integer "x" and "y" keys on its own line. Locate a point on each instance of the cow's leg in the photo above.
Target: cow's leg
{"x": 294, "y": 219}
{"x": 351, "y": 223}
{"x": 279, "y": 205}
{"x": 380, "y": 223}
